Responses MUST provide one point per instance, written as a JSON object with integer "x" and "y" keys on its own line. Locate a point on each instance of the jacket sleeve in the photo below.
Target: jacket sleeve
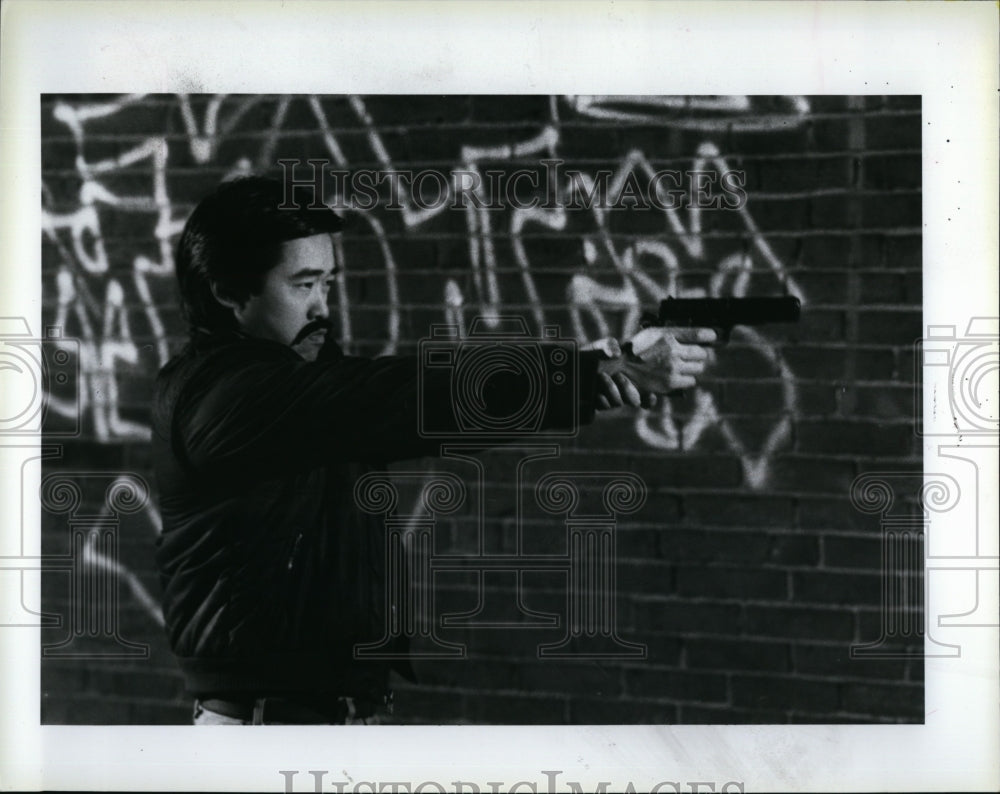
{"x": 258, "y": 414}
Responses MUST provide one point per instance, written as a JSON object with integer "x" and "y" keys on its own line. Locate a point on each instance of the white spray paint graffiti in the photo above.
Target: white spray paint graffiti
{"x": 109, "y": 354}
{"x": 705, "y": 113}
{"x": 93, "y": 305}
{"x": 388, "y": 262}
{"x": 93, "y": 557}
{"x": 637, "y": 289}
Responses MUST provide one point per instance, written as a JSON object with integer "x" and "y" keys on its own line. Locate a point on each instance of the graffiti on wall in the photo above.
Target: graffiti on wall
{"x": 102, "y": 299}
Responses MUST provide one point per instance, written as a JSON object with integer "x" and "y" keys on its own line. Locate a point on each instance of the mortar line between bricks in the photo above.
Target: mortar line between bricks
{"x": 814, "y": 678}
{"x": 670, "y": 490}
{"x": 799, "y": 603}
{"x": 53, "y": 302}
{"x": 736, "y": 160}
{"x": 138, "y": 138}
{"x": 462, "y": 690}
{"x": 781, "y": 195}
{"x": 701, "y": 601}
{"x": 786, "y": 531}
{"x": 771, "y": 566}
{"x": 640, "y": 456}
{"x": 817, "y": 678}
{"x": 416, "y": 235}
{"x": 169, "y": 102}
{"x": 881, "y": 308}
{"x": 763, "y": 381}
{"x": 698, "y": 671}
{"x": 825, "y": 347}
{"x": 529, "y": 130}
{"x": 111, "y": 697}
{"x": 742, "y": 601}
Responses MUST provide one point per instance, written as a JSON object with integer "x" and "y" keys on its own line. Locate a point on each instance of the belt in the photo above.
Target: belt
{"x": 282, "y": 710}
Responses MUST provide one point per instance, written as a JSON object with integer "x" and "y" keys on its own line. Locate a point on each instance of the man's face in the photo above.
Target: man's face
{"x": 294, "y": 297}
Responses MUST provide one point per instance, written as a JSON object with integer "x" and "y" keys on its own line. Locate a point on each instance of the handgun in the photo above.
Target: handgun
{"x": 724, "y": 313}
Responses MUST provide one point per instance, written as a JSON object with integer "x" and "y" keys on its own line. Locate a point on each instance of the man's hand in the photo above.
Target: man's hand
{"x": 655, "y": 361}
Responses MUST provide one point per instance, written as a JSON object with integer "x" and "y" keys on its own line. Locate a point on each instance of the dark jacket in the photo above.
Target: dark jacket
{"x": 270, "y": 573}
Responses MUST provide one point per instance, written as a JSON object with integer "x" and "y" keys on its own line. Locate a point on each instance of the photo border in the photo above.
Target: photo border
{"x": 947, "y": 53}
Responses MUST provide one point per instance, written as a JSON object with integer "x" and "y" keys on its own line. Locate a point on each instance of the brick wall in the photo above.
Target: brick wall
{"x": 748, "y": 573}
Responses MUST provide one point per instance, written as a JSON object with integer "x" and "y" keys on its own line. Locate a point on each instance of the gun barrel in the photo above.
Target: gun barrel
{"x": 727, "y": 312}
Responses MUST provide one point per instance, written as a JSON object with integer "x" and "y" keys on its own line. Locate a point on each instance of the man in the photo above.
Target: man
{"x": 262, "y": 426}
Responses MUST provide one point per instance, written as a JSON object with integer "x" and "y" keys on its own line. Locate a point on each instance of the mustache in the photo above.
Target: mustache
{"x": 312, "y": 327}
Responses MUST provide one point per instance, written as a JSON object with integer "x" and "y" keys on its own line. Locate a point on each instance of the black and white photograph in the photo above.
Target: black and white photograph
{"x": 505, "y": 415}
{"x": 422, "y": 248}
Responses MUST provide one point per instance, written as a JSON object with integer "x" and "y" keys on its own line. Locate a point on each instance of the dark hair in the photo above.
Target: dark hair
{"x": 232, "y": 239}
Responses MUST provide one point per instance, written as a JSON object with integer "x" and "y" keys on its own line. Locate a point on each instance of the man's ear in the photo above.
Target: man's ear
{"x": 225, "y": 300}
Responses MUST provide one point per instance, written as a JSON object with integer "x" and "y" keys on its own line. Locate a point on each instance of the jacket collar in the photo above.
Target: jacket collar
{"x": 205, "y": 338}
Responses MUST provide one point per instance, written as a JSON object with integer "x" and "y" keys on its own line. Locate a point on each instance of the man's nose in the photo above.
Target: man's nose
{"x": 318, "y": 308}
